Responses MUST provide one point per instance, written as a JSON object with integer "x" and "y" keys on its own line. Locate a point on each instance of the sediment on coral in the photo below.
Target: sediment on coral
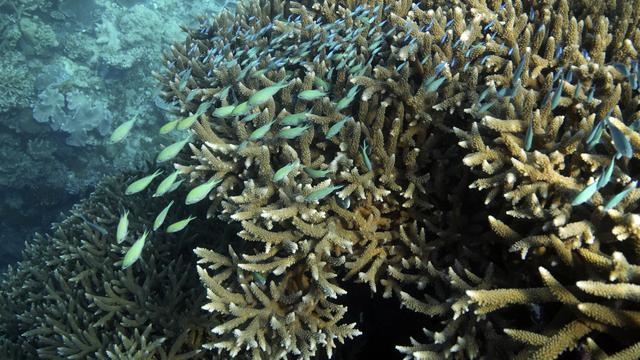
{"x": 70, "y": 299}
{"x": 346, "y": 135}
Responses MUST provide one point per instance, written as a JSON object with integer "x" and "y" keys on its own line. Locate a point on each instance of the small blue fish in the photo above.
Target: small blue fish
{"x": 434, "y": 85}
{"x": 260, "y": 132}
{"x": 520, "y": 68}
{"x": 585, "y": 194}
{"x": 595, "y": 134}
{"x": 606, "y": 174}
{"x": 634, "y": 77}
{"x": 569, "y": 76}
{"x": 619, "y": 197}
{"x": 555, "y": 100}
{"x": 558, "y": 53}
{"x": 93, "y": 226}
{"x": 184, "y": 77}
{"x": 429, "y": 26}
{"x": 528, "y": 137}
{"x": 484, "y": 108}
{"x": 591, "y": 93}
{"x": 322, "y": 193}
{"x": 577, "y": 89}
{"x": 505, "y": 92}
{"x": 250, "y": 117}
{"x": 483, "y": 94}
{"x": 365, "y": 155}
{"x": 620, "y": 141}
{"x": 444, "y": 38}
{"x": 488, "y": 26}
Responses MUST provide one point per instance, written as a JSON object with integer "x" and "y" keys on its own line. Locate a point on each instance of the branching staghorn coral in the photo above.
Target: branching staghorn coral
{"x": 324, "y": 155}
{"x": 555, "y": 152}
{"x": 69, "y": 298}
{"x": 341, "y": 138}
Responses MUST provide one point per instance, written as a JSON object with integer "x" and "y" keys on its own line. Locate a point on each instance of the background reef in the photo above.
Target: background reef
{"x": 70, "y": 71}
{"x": 471, "y": 161}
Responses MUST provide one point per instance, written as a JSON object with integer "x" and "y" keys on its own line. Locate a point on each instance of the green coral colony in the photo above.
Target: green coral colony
{"x": 344, "y": 137}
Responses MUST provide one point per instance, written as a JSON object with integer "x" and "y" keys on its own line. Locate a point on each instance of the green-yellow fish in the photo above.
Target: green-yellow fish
{"x": 165, "y": 184}
{"x": 319, "y": 82}
{"x": 295, "y": 119}
{"x": 187, "y": 122}
{"x": 322, "y": 193}
{"x": 263, "y": 95}
{"x": 168, "y": 127}
{"x": 133, "y": 254}
{"x": 201, "y": 191}
{"x": 171, "y": 151}
{"x": 179, "y": 225}
{"x": 282, "y": 173}
{"x": 175, "y": 186}
{"x": 141, "y": 184}
{"x": 260, "y": 132}
{"x": 241, "y": 109}
{"x": 223, "y": 112}
{"x": 123, "y": 227}
{"x": 122, "y": 131}
{"x": 161, "y": 216}
{"x": 223, "y": 93}
{"x": 250, "y": 117}
{"x": 335, "y": 128}
{"x": 314, "y": 173}
{"x": 292, "y": 133}
{"x": 310, "y": 95}
{"x": 344, "y": 102}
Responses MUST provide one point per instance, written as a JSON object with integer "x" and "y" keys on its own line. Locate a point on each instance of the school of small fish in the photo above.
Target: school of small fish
{"x": 226, "y": 105}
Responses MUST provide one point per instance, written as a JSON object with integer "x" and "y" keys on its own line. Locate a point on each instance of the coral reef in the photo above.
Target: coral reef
{"x": 474, "y": 160}
{"x": 345, "y": 135}
{"x": 16, "y": 82}
{"x": 70, "y": 299}
{"x": 74, "y": 113}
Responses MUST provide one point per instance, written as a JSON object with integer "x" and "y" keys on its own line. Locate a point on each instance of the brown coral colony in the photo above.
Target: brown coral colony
{"x": 354, "y": 108}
